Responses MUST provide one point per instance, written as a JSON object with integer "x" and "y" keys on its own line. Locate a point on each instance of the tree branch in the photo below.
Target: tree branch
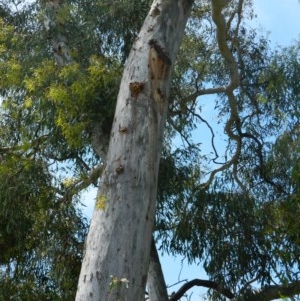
{"x": 233, "y": 124}
{"x": 156, "y": 285}
{"x": 208, "y": 91}
{"x": 273, "y": 292}
{"x": 221, "y": 30}
{"x": 267, "y": 293}
{"x": 212, "y": 135}
{"x": 205, "y": 283}
{"x": 81, "y": 184}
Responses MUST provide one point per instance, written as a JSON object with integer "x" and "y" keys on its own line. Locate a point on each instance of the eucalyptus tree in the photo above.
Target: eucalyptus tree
{"x": 61, "y": 65}
{"x": 241, "y": 110}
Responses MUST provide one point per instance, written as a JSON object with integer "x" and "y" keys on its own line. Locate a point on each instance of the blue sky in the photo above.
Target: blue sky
{"x": 281, "y": 18}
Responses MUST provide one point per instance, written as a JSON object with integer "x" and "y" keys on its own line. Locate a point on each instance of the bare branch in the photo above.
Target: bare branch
{"x": 208, "y": 91}
{"x": 204, "y": 283}
{"x": 212, "y": 134}
{"x": 183, "y": 136}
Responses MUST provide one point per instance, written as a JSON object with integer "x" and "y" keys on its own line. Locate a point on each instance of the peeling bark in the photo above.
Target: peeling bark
{"x": 116, "y": 260}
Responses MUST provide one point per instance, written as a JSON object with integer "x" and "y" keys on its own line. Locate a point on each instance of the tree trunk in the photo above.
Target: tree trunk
{"x": 117, "y": 249}
{"x": 156, "y": 284}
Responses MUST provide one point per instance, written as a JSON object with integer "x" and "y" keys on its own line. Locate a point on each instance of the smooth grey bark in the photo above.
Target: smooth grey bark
{"x": 156, "y": 285}
{"x": 117, "y": 252}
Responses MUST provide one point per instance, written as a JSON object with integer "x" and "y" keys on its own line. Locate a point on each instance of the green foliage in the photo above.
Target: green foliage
{"x": 47, "y": 115}
{"x": 77, "y": 97}
{"x": 41, "y": 236}
{"x": 10, "y": 68}
{"x": 20, "y": 203}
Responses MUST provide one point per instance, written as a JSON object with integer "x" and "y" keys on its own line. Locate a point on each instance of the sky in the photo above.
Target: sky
{"x": 281, "y": 19}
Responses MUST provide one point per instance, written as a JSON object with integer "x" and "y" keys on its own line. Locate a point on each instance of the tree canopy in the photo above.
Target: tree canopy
{"x": 235, "y": 209}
